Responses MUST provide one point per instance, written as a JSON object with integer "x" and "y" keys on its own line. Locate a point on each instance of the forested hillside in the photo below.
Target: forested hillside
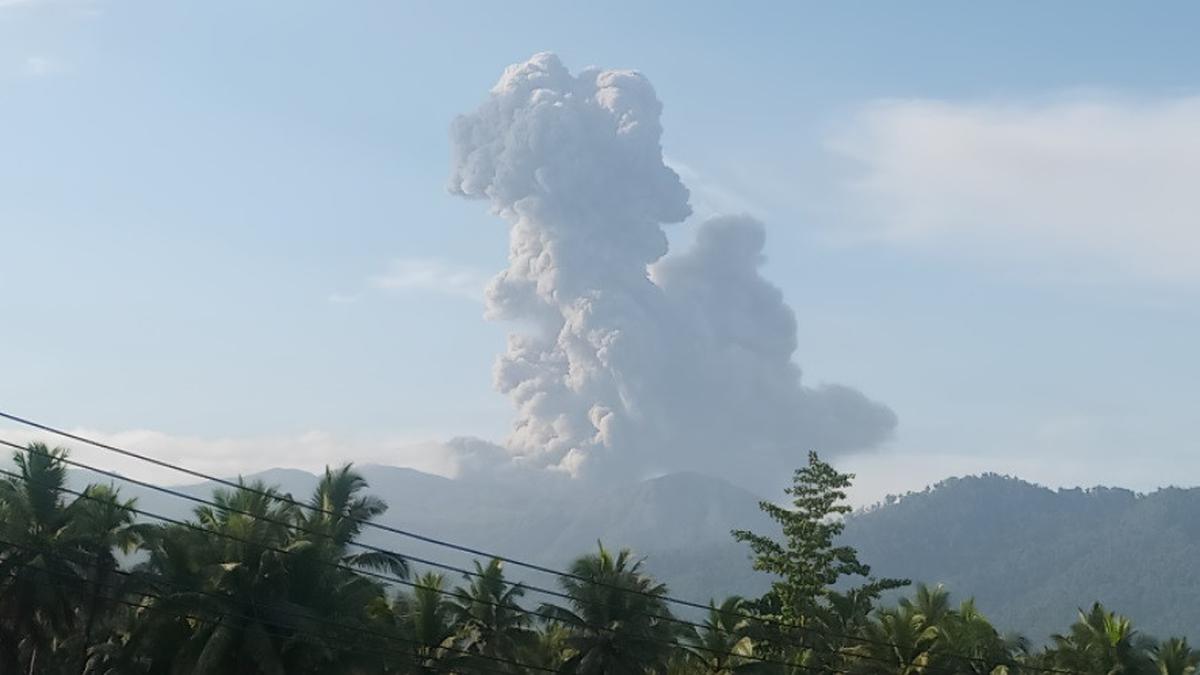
{"x": 1031, "y": 555}
{"x": 252, "y": 577}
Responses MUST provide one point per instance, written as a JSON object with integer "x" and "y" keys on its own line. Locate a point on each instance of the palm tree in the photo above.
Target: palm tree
{"x": 40, "y": 564}
{"x": 822, "y": 639}
{"x": 618, "y": 619}
{"x": 977, "y": 647}
{"x": 278, "y": 585}
{"x": 102, "y": 524}
{"x": 323, "y": 554}
{"x": 425, "y": 620}
{"x": 933, "y": 604}
{"x": 1175, "y": 657}
{"x": 231, "y": 571}
{"x": 847, "y": 613}
{"x": 899, "y": 642}
{"x": 723, "y": 646}
{"x": 490, "y": 621}
{"x": 924, "y": 634}
{"x": 339, "y": 510}
{"x": 549, "y": 649}
{"x": 1103, "y": 642}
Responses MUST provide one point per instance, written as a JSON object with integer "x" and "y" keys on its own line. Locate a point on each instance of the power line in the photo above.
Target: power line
{"x": 447, "y": 544}
{"x": 266, "y": 623}
{"x": 257, "y": 516}
{"x": 184, "y": 615}
{"x": 397, "y": 580}
{"x": 467, "y": 573}
{"x": 365, "y": 523}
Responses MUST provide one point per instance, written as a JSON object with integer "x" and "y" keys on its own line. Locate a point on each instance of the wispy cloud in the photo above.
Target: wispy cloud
{"x": 41, "y": 66}
{"x": 88, "y": 7}
{"x": 1090, "y": 187}
{"x": 432, "y": 275}
{"x": 709, "y": 196}
{"x": 310, "y": 451}
{"x": 344, "y": 298}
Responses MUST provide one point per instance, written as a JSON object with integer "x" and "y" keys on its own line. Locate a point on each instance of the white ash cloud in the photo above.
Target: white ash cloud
{"x": 617, "y": 370}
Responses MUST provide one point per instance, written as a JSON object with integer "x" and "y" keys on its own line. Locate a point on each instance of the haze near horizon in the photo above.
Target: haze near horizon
{"x": 685, "y": 259}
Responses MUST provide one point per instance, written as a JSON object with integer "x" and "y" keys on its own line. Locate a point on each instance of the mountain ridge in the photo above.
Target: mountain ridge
{"x": 1029, "y": 554}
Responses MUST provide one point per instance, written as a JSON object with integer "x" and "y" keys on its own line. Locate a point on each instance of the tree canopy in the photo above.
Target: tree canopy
{"x": 257, "y": 582}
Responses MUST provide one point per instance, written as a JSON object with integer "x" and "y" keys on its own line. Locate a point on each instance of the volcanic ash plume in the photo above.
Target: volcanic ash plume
{"x": 633, "y": 363}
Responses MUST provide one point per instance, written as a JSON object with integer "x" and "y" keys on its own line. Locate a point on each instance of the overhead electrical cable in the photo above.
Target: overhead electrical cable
{"x": 287, "y": 499}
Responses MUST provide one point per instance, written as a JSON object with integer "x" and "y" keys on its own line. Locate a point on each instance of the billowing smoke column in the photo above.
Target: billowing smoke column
{"x": 629, "y": 362}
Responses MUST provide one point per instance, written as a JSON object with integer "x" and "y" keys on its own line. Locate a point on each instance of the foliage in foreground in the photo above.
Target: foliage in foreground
{"x": 256, "y": 584}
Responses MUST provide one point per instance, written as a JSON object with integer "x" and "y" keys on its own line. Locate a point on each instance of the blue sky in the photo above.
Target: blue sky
{"x": 226, "y": 226}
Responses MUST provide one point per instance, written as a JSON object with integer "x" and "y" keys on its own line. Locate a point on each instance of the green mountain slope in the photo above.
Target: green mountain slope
{"x": 1029, "y": 555}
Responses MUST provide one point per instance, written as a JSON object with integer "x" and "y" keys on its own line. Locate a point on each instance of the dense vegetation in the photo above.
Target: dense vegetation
{"x": 1030, "y": 555}
{"x": 256, "y": 583}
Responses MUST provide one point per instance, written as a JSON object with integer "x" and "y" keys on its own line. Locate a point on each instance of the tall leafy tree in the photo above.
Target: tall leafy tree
{"x": 253, "y": 584}
{"x": 808, "y": 563}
